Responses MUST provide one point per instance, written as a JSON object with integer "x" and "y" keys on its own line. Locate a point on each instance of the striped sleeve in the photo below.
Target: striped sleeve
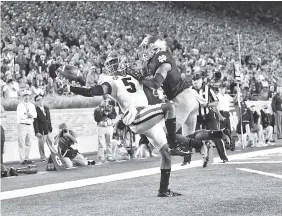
{"x": 212, "y": 95}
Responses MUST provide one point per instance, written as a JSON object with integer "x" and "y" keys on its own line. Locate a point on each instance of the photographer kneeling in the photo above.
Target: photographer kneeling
{"x": 65, "y": 139}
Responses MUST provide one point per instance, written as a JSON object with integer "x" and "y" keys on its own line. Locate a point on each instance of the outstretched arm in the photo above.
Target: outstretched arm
{"x": 159, "y": 77}
{"x": 97, "y": 90}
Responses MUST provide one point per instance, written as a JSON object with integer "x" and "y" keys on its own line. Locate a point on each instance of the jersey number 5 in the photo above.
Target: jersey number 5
{"x": 132, "y": 88}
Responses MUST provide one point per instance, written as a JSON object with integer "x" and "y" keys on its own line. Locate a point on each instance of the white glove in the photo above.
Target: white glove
{"x": 129, "y": 115}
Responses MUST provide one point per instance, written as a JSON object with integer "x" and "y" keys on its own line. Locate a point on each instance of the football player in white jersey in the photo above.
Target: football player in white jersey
{"x": 141, "y": 117}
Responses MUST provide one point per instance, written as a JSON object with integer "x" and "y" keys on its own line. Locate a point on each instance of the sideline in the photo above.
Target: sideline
{"x": 120, "y": 176}
{"x": 260, "y": 172}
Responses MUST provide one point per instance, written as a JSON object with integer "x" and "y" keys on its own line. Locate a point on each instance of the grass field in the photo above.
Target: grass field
{"x": 219, "y": 189}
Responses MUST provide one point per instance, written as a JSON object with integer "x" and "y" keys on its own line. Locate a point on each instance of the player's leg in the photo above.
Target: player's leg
{"x": 184, "y": 108}
{"x": 212, "y": 124}
{"x": 149, "y": 116}
{"x": 170, "y": 124}
{"x": 157, "y": 137}
{"x": 190, "y": 143}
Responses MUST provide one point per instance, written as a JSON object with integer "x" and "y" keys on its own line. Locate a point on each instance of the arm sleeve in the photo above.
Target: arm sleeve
{"x": 33, "y": 111}
{"x": 161, "y": 72}
{"x": 48, "y": 118}
{"x": 90, "y": 92}
{"x": 35, "y": 126}
{"x": 212, "y": 95}
{"x": 20, "y": 112}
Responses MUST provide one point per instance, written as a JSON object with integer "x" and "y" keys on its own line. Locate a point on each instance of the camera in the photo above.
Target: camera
{"x": 65, "y": 130}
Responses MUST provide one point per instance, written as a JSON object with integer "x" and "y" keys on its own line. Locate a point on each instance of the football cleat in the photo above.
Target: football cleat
{"x": 177, "y": 151}
{"x": 168, "y": 193}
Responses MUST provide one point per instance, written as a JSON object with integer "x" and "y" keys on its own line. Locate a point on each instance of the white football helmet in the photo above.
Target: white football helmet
{"x": 116, "y": 64}
{"x": 150, "y": 46}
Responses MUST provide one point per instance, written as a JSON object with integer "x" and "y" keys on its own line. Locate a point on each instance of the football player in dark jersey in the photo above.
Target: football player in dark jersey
{"x": 160, "y": 65}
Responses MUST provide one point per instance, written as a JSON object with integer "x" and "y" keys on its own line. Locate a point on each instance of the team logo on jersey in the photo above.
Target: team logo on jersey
{"x": 162, "y": 58}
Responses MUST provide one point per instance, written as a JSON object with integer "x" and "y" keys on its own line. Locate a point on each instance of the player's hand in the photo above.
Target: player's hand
{"x": 205, "y": 104}
{"x": 221, "y": 118}
{"x": 38, "y": 135}
{"x": 138, "y": 76}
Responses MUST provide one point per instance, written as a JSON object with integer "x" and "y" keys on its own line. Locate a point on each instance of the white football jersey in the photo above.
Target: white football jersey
{"x": 126, "y": 91}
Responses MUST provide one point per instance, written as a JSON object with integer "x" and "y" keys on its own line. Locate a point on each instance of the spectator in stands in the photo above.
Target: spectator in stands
{"x": 11, "y": 89}
{"x": 50, "y": 87}
{"x": 42, "y": 126}
{"x": 92, "y": 77}
{"x": 65, "y": 139}
{"x": 42, "y": 64}
{"x": 266, "y": 121}
{"x": 104, "y": 115}
{"x": 22, "y": 85}
{"x": 37, "y": 87}
{"x": 53, "y": 66}
{"x": 26, "y": 113}
{"x": 277, "y": 109}
{"x": 33, "y": 65}
{"x": 264, "y": 94}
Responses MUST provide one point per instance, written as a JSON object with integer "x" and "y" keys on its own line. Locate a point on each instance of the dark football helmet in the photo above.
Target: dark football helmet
{"x": 150, "y": 46}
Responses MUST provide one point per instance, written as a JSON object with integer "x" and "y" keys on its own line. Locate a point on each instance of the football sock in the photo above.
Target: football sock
{"x": 165, "y": 175}
{"x": 171, "y": 131}
{"x": 187, "y": 159}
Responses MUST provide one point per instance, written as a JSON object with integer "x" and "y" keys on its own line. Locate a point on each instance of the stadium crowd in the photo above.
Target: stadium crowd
{"x": 40, "y": 40}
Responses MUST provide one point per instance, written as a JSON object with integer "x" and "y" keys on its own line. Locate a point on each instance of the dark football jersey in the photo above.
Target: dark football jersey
{"x": 173, "y": 84}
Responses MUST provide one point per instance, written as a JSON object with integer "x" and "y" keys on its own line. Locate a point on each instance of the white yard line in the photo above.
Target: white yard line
{"x": 250, "y": 162}
{"x": 260, "y": 172}
{"x": 117, "y": 177}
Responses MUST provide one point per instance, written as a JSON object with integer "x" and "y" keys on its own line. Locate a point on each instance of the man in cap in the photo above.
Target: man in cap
{"x": 26, "y": 113}
{"x": 42, "y": 126}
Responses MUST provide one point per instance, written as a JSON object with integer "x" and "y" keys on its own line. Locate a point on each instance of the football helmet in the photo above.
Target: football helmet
{"x": 116, "y": 64}
{"x": 150, "y": 46}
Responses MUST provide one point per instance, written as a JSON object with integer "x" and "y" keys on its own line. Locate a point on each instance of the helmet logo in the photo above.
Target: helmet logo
{"x": 162, "y": 58}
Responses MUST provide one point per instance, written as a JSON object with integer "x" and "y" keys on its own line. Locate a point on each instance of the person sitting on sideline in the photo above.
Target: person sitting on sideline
{"x": 26, "y": 113}
{"x": 65, "y": 139}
